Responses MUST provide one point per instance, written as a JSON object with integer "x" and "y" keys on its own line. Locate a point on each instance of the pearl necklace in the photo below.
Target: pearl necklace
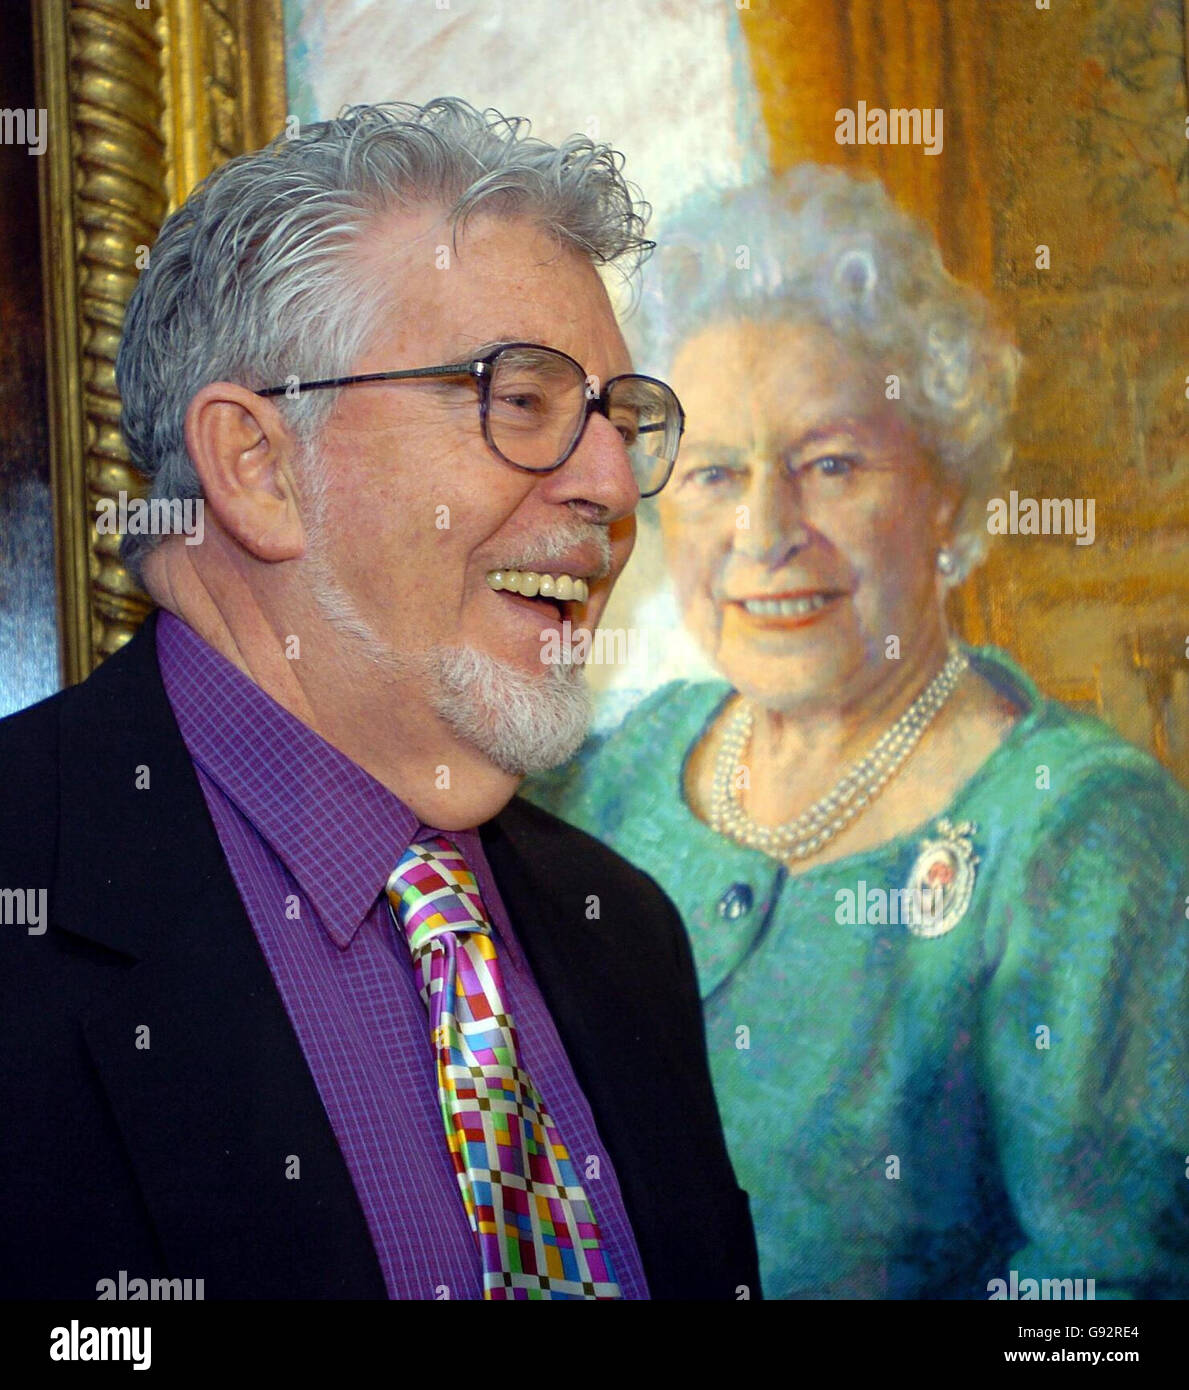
{"x": 858, "y": 787}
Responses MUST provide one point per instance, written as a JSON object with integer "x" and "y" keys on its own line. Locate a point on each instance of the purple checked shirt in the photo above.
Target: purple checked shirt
{"x": 310, "y": 839}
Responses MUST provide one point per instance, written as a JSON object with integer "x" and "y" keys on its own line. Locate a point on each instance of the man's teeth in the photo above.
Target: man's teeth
{"x": 785, "y": 607}
{"x": 530, "y": 584}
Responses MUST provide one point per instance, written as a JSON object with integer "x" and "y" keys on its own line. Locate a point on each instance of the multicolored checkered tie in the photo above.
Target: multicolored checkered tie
{"x": 537, "y": 1232}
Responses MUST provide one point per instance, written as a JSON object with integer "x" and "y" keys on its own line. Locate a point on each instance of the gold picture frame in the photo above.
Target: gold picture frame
{"x": 143, "y": 99}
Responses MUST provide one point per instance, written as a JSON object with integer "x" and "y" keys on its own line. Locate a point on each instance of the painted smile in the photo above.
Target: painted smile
{"x": 787, "y": 611}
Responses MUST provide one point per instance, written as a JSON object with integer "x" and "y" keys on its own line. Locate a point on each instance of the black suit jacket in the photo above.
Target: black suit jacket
{"x": 170, "y": 1161}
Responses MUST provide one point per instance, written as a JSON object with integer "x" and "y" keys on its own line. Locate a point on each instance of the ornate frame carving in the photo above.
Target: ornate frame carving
{"x": 142, "y": 103}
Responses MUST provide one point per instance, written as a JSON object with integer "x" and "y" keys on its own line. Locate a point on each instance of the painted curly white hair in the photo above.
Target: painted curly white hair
{"x": 819, "y": 245}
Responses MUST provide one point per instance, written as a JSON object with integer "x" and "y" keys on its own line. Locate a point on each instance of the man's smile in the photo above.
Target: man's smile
{"x": 555, "y": 595}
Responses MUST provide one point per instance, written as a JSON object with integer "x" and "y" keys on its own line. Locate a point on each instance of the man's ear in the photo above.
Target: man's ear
{"x": 244, "y": 452}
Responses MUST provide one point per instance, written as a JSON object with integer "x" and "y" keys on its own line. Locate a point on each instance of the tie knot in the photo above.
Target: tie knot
{"x": 432, "y": 891}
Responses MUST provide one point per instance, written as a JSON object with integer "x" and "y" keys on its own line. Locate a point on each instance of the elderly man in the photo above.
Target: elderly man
{"x": 320, "y": 1010}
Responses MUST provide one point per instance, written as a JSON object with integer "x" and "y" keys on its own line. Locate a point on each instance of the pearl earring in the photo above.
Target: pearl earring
{"x": 947, "y": 563}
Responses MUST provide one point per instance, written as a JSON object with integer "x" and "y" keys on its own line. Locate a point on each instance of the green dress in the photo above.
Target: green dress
{"x": 917, "y": 1115}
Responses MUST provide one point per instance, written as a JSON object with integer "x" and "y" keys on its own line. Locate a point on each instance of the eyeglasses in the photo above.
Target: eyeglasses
{"x": 535, "y": 402}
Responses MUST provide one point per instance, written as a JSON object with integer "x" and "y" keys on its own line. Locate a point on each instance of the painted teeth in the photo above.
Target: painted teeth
{"x": 785, "y": 607}
{"x": 531, "y": 585}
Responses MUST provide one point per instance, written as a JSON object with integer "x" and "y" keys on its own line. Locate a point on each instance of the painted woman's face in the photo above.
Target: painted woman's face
{"x": 803, "y": 519}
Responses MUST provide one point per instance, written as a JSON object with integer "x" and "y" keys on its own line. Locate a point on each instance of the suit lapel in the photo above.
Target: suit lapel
{"x": 233, "y": 1153}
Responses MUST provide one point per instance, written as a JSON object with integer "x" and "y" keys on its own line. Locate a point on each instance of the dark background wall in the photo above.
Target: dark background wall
{"x": 28, "y": 629}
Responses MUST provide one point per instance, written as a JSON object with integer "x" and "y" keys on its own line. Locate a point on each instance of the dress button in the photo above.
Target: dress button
{"x": 735, "y": 901}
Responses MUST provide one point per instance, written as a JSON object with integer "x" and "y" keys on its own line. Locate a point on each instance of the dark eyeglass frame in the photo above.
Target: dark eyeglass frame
{"x": 482, "y": 370}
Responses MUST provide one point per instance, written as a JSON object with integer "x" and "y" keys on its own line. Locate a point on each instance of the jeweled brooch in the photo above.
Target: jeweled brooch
{"x": 941, "y": 881}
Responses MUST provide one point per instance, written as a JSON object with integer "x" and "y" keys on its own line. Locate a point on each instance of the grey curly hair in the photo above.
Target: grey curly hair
{"x": 822, "y": 246}
{"x": 250, "y": 280}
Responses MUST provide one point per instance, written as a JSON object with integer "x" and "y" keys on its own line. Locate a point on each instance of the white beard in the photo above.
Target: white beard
{"x": 523, "y": 723}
